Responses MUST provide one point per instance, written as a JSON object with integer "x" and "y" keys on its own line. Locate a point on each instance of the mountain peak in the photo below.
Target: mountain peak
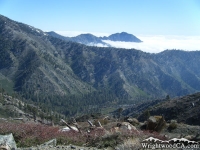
{"x": 86, "y": 34}
{"x": 123, "y": 33}
{"x": 123, "y": 37}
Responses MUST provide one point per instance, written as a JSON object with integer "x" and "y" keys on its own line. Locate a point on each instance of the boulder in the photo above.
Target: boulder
{"x": 126, "y": 126}
{"x": 155, "y": 123}
{"x": 133, "y": 121}
{"x": 66, "y": 129}
{"x": 52, "y": 142}
{"x": 7, "y": 142}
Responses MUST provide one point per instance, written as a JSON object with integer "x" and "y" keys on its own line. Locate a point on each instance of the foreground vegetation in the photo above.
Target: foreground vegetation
{"x": 32, "y": 126}
{"x": 31, "y": 134}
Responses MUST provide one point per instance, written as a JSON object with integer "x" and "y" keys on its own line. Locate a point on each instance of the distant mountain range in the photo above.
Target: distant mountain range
{"x": 61, "y": 73}
{"x": 91, "y": 40}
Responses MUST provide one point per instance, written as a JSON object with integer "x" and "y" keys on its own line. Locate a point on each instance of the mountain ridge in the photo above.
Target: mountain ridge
{"x": 92, "y": 40}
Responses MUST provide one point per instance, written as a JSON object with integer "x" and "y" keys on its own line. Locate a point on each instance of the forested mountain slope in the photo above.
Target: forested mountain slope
{"x": 60, "y": 73}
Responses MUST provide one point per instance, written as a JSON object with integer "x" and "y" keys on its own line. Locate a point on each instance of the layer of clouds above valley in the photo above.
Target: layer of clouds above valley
{"x": 156, "y": 44}
{"x": 151, "y": 44}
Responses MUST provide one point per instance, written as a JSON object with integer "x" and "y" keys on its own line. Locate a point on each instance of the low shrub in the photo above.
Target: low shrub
{"x": 30, "y": 134}
{"x": 109, "y": 140}
{"x": 172, "y": 126}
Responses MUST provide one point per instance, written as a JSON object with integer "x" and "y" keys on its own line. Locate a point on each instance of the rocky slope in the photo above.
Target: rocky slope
{"x": 13, "y": 108}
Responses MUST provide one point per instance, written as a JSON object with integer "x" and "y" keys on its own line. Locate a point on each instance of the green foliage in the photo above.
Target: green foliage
{"x": 147, "y": 114}
{"x": 5, "y": 46}
{"x": 7, "y": 85}
{"x": 119, "y": 111}
{"x": 110, "y": 140}
{"x": 161, "y": 123}
{"x": 167, "y": 97}
{"x": 75, "y": 104}
{"x": 173, "y": 125}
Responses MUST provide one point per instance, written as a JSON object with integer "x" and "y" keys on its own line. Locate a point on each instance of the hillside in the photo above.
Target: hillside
{"x": 184, "y": 109}
{"x": 70, "y": 77}
{"x": 16, "y": 108}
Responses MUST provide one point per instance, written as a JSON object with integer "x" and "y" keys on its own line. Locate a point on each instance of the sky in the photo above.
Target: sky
{"x": 142, "y": 18}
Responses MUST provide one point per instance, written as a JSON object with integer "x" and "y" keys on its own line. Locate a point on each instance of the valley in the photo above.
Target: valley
{"x": 46, "y": 77}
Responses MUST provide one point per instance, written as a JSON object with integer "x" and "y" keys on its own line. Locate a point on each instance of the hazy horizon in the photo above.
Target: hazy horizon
{"x": 159, "y": 24}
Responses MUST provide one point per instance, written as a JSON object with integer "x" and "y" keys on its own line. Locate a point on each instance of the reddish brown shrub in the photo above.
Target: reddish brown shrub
{"x": 31, "y": 134}
{"x": 35, "y": 134}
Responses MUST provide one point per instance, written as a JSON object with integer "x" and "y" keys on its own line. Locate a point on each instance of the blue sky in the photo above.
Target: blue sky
{"x": 139, "y": 17}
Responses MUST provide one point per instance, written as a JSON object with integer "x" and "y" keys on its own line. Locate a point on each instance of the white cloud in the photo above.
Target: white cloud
{"x": 98, "y": 44}
{"x": 156, "y": 44}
